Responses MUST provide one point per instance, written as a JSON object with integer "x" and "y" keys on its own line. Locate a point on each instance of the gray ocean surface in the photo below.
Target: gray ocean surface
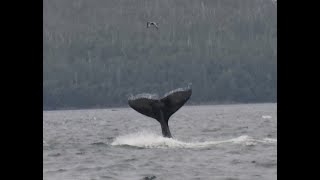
{"x": 210, "y": 142}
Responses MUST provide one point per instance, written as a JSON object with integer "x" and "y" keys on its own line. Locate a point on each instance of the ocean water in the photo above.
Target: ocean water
{"x": 226, "y": 142}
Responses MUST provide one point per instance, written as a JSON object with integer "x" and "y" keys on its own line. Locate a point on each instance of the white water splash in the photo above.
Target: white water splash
{"x": 45, "y": 143}
{"x": 266, "y": 117}
{"x": 150, "y": 140}
{"x": 269, "y": 140}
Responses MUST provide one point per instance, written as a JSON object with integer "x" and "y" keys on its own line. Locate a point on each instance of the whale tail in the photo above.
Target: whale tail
{"x": 162, "y": 108}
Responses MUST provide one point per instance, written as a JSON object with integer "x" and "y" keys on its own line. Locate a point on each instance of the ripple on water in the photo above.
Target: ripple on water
{"x": 99, "y": 144}
{"x": 151, "y": 177}
{"x": 80, "y": 153}
{"x": 54, "y": 154}
{"x": 130, "y": 160}
{"x": 269, "y": 164}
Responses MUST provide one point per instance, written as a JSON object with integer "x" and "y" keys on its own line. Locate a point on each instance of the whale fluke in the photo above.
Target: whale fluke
{"x": 162, "y": 108}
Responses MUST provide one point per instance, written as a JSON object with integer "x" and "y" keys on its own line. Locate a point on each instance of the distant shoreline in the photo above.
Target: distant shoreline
{"x": 188, "y": 104}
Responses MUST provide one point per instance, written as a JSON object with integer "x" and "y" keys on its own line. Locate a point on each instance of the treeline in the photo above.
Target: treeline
{"x": 97, "y": 52}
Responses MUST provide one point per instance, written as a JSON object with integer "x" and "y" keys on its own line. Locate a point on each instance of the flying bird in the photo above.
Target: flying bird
{"x": 152, "y": 24}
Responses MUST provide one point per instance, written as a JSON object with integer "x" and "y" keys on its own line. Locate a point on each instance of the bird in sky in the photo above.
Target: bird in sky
{"x": 152, "y": 24}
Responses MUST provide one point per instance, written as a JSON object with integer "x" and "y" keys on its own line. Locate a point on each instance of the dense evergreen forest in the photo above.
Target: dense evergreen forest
{"x": 96, "y": 52}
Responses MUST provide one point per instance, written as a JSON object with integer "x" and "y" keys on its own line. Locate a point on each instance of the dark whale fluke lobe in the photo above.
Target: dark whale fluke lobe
{"x": 162, "y": 108}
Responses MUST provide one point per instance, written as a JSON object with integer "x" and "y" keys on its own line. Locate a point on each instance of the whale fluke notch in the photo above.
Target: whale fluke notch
{"x": 162, "y": 108}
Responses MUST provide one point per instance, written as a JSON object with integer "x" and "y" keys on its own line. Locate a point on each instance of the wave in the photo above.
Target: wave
{"x": 146, "y": 139}
{"x": 45, "y": 143}
{"x": 266, "y": 117}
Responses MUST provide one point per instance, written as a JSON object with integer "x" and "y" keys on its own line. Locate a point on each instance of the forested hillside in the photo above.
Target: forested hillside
{"x": 96, "y": 52}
